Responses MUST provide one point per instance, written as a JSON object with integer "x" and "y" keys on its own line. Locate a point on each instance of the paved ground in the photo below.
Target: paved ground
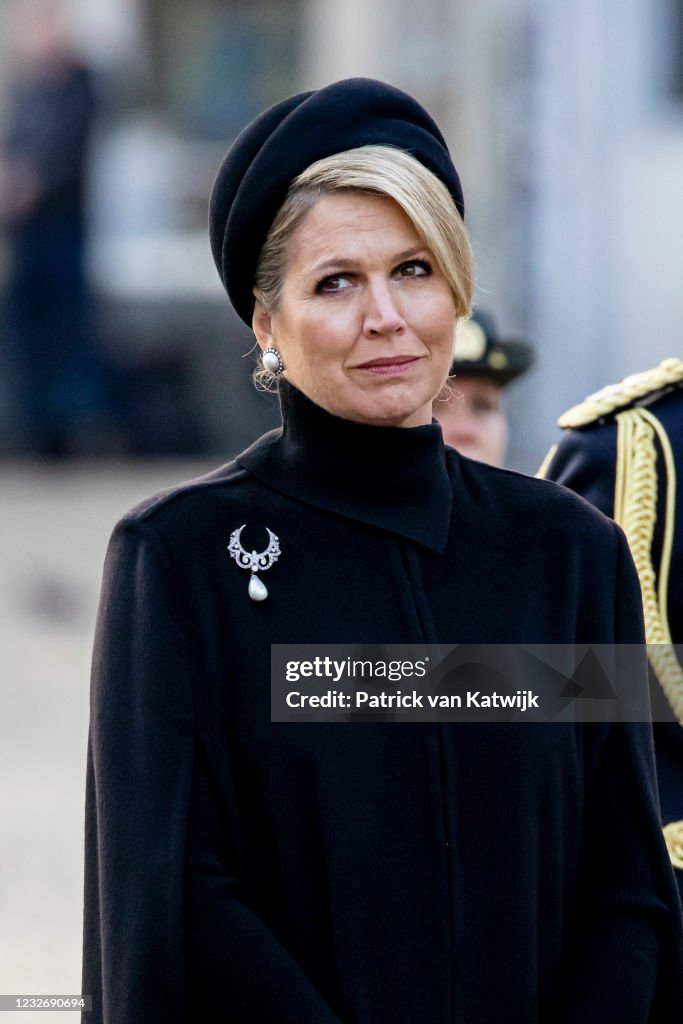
{"x": 54, "y": 526}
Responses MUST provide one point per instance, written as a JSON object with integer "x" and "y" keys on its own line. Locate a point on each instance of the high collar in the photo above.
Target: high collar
{"x": 394, "y": 478}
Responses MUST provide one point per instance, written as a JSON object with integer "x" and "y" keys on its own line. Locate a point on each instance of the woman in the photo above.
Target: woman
{"x": 241, "y": 870}
{"x": 472, "y": 413}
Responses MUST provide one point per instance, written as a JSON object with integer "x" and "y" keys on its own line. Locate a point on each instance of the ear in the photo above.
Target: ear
{"x": 262, "y": 325}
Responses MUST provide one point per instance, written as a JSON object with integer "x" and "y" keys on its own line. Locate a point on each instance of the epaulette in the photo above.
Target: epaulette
{"x": 629, "y": 392}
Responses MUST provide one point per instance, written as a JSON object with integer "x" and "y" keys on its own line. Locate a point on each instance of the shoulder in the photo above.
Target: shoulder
{"x": 180, "y": 522}
{"x": 192, "y": 513}
{"x": 535, "y": 507}
{"x": 636, "y": 391}
{"x": 189, "y": 497}
{"x": 564, "y": 548}
{"x": 585, "y": 461}
{"x": 165, "y": 530}
{"x": 586, "y": 456}
{"x": 616, "y": 428}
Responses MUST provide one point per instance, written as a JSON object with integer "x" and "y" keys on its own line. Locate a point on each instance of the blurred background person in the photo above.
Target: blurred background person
{"x": 471, "y": 410}
{"x": 623, "y": 451}
{"x": 58, "y": 373}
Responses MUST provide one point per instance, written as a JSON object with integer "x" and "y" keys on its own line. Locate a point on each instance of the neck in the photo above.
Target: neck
{"x": 392, "y": 477}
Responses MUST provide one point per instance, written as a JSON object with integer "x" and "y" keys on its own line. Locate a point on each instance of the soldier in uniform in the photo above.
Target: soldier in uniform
{"x": 623, "y": 451}
{"x": 471, "y": 410}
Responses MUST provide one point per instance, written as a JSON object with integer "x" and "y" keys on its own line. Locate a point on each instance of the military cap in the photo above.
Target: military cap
{"x": 478, "y": 351}
{"x": 274, "y": 149}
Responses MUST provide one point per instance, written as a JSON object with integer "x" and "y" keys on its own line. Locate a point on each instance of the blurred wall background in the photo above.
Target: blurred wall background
{"x": 564, "y": 119}
{"x": 566, "y": 122}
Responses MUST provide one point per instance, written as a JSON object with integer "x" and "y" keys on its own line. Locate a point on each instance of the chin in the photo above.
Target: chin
{"x": 390, "y": 406}
{"x": 392, "y": 411}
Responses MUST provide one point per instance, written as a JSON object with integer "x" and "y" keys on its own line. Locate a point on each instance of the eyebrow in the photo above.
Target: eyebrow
{"x": 348, "y": 264}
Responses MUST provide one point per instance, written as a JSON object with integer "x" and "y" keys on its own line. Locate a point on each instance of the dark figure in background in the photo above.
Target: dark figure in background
{"x": 623, "y": 451}
{"x": 57, "y": 372}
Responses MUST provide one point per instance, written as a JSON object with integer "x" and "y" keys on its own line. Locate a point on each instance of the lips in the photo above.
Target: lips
{"x": 392, "y": 366}
{"x": 390, "y": 361}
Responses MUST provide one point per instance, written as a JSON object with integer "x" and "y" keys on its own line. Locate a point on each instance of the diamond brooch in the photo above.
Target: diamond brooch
{"x": 255, "y": 561}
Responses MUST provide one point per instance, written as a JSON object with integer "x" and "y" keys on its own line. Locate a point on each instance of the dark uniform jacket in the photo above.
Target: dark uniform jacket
{"x": 244, "y": 871}
{"x": 586, "y": 461}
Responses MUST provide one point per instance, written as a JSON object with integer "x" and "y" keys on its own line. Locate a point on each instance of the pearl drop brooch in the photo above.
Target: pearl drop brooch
{"x": 255, "y": 561}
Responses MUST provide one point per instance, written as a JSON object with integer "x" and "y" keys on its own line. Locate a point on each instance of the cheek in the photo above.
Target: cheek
{"x": 442, "y": 353}
{"x": 332, "y": 336}
{"x": 502, "y": 429}
{"x": 318, "y": 342}
{"x": 437, "y": 319}
{"x": 493, "y": 436}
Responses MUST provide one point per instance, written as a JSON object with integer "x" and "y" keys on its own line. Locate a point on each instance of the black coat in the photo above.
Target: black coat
{"x": 244, "y": 871}
{"x": 585, "y": 460}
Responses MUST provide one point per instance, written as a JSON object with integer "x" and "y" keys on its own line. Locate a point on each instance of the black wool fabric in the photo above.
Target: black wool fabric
{"x": 586, "y": 461}
{"x": 273, "y": 150}
{"x": 368, "y": 873}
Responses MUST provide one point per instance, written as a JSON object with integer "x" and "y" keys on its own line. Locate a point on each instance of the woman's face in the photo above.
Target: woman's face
{"x": 365, "y": 320}
{"x": 472, "y": 419}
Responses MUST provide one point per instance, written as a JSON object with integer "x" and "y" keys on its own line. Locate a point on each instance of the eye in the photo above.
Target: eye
{"x": 414, "y": 268}
{"x": 333, "y": 284}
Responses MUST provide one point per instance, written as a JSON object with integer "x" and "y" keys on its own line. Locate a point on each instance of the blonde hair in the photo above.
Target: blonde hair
{"x": 374, "y": 170}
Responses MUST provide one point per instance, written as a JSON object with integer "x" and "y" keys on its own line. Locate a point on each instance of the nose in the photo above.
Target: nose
{"x": 382, "y": 316}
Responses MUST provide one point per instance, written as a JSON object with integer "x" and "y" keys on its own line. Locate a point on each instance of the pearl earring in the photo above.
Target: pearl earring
{"x": 272, "y": 361}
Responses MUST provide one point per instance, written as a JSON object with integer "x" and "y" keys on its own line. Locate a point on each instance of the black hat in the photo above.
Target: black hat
{"x": 479, "y": 352}
{"x": 273, "y": 150}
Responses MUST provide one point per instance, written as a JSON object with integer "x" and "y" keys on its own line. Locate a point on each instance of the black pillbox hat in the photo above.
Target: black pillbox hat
{"x": 273, "y": 150}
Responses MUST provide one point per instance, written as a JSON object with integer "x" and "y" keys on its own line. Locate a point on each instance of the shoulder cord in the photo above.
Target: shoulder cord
{"x": 635, "y": 509}
{"x": 542, "y": 471}
{"x": 673, "y": 836}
